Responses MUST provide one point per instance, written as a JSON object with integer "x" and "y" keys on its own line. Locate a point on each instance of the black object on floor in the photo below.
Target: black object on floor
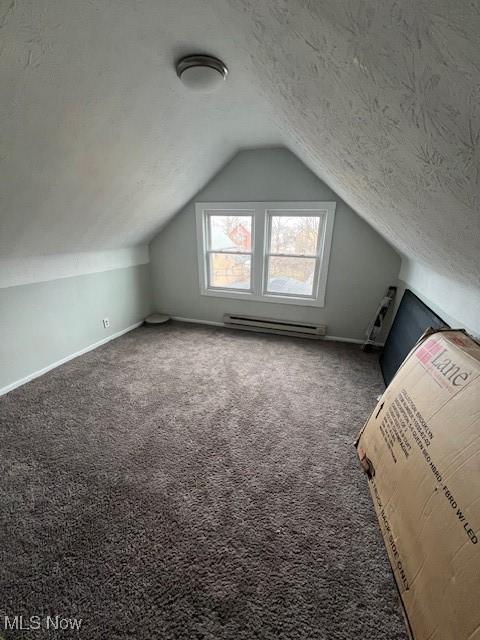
{"x": 412, "y": 319}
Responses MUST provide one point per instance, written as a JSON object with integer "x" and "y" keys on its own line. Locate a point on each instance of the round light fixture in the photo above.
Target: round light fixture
{"x": 201, "y": 73}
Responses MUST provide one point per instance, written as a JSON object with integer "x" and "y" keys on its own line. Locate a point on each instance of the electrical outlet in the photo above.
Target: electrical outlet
{"x": 106, "y": 323}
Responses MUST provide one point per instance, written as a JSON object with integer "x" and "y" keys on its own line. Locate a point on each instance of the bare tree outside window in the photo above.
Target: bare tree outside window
{"x": 293, "y": 254}
{"x": 266, "y": 251}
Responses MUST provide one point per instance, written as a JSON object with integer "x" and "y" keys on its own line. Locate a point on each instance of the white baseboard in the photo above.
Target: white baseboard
{"x": 40, "y": 372}
{"x": 339, "y": 339}
{"x": 193, "y": 321}
{"x": 221, "y": 324}
{"x": 353, "y": 341}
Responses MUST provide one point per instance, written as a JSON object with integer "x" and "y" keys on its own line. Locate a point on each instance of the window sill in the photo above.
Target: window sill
{"x": 247, "y": 296}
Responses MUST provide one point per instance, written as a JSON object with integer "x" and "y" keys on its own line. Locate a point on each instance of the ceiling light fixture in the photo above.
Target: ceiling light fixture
{"x": 200, "y": 72}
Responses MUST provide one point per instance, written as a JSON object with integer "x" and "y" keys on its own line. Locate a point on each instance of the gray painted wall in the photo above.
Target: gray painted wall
{"x": 362, "y": 263}
{"x": 44, "y": 322}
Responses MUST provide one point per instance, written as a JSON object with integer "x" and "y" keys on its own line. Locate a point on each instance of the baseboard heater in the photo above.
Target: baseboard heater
{"x": 271, "y": 325}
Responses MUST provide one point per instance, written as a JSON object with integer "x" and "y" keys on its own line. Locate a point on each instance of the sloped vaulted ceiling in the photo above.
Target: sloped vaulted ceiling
{"x": 101, "y": 143}
{"x": 382, "y": 100}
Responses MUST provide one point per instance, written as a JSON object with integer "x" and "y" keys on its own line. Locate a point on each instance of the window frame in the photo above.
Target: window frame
{"x": 262, "y": 213}
{"x": 272, "y": 213}
{"x": 208, "y": 213}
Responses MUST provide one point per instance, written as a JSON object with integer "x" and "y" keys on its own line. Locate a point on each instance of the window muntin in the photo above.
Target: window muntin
{"x": 270, "y": 252}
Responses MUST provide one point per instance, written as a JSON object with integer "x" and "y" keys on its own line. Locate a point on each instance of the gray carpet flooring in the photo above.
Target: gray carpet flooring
{"x": 188, "y": 482}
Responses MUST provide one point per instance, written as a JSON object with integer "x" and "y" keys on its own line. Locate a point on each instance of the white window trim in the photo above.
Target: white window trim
{"x": 260, "y": 249}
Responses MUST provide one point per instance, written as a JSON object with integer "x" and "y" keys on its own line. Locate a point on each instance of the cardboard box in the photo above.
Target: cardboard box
{"x": 421, "y": 451}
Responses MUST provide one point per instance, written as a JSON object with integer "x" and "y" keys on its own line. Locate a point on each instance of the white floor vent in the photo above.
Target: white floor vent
{"x": 270, "y": 325}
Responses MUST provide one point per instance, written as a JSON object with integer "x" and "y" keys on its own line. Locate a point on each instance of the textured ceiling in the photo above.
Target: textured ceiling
{"x": 101, "y": 143}
{"x": 381, "y": 100}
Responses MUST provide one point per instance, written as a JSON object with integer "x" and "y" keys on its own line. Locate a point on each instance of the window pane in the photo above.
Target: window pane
{"x": 294, "y": 234}
{"x": 230, "y": 233}
{"x": 292, "y": 276}
{"x": 229, "y": 271}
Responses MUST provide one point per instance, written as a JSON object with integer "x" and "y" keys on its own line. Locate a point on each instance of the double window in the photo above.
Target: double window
{"x": 275, "y": 252}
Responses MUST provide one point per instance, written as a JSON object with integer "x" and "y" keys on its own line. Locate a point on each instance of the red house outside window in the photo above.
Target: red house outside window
{"x": 241, "y": 236}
